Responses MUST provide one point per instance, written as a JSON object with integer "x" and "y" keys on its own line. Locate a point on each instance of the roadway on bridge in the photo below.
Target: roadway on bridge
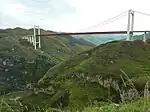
{"x": 90, "y": 33}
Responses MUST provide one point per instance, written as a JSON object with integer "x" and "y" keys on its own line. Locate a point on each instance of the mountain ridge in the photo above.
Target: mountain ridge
{"x": 50, "y": 45}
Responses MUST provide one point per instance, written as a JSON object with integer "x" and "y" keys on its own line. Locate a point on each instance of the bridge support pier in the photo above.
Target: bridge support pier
{"x": 144, "y": 37}
{"x": 32, "y": 39}
{"x": 28, "y": 38}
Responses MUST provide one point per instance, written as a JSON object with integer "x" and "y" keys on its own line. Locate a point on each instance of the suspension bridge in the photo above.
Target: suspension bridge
{"x": 35, "y": 39}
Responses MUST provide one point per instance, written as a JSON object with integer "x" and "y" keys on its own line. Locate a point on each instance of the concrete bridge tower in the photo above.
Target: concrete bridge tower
{"x": 37, "y": 39}
{"x": 130, "y": 25}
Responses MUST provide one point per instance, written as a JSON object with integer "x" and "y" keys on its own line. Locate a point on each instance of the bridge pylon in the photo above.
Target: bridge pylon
{"x": 37, "y": 39}
{"x": 130, "y": 25}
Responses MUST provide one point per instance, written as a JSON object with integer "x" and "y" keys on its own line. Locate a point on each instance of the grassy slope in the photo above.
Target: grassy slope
{"x": 57, "y": 48}
{"x": 8, "y": 104}
{"x": 8, "y": 43}
{"x": 63, "y": 47}
{"x": 106, "y": 60}
{"x": 141, "y": 105}
{"x": 5, "y": 88}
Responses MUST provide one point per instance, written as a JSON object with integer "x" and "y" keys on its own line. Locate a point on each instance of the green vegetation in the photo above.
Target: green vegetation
{"x": 21, "y": 65}
{"x": 11, "y": 46}
{"x": 61, "y": 48}
{"x": 58, "y": 48}
{"x": 70, "y": 76}
{"x": 85, "y": 74}
{"x": 141, "y": 105}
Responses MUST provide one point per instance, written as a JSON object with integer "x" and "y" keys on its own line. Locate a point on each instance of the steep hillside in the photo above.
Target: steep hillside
{"x": 84, "y": 74}
{"x": 103, "y": 73}
{"x": 62, "y": 47}
{"x": 17, "y": 72}
{"x": 21, "y": 65}
{"x": 9, "y": 45}
{"x": 58, "y": 48}
{"x": 104, "y": 57}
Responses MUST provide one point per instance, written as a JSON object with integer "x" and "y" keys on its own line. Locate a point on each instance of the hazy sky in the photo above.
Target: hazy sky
{"x": 71, "y": 15}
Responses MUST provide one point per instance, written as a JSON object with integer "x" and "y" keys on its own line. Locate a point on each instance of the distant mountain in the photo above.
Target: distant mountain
{"x": 100, "y": 39}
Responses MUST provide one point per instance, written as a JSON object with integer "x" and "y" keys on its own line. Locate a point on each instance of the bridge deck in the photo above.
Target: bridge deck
{"x": 89, "y": 33}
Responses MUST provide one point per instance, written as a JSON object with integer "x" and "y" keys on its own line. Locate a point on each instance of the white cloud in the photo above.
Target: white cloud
{"x": 71, "y": 15}
{"x": 13, "y": 13}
